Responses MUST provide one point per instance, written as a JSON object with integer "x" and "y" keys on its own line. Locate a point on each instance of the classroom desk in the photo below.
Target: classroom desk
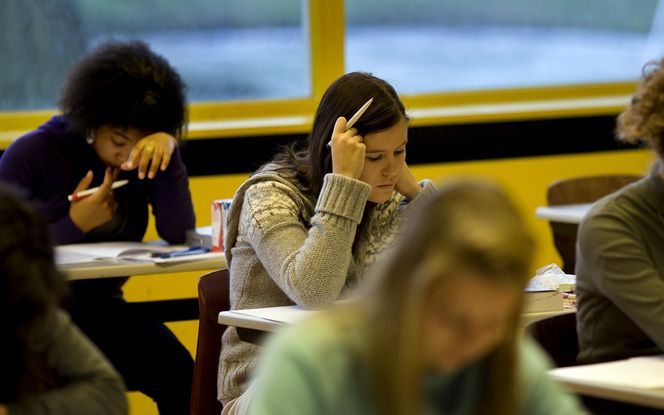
{"x": 181, "y": 309}
{"x": 251, "y": 323}
{"x": 121, "y": 267}
{"x": 574, "y": 379}
{"x": 118, "y": 268}
{"x": 564, "y": 213}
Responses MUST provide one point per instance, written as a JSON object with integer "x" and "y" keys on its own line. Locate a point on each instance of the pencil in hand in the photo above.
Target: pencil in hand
{"x": 355, "y": 117}
{"x": 74, "y": 197}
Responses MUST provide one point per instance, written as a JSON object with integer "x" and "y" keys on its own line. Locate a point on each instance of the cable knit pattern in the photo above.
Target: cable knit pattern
{"x": 289, "y": 249}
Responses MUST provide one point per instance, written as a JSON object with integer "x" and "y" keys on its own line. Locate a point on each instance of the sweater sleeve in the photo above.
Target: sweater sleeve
{"x": 541, "y": 394}
{"x": 408, "y": 206}
{"x": 622, "y": 270}
{"x": 88, "y": 383}
{"x": 308, "y": 264}
{"x": 172, "y": 205}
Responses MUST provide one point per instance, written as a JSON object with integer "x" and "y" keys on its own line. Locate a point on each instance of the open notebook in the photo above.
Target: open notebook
{"x": 79, "y": 254}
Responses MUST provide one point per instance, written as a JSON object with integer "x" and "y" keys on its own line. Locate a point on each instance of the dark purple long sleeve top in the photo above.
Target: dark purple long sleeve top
{"x": 47, "y": 164}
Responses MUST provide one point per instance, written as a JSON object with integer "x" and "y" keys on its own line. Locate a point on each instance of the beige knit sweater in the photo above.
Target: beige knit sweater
{"x": 289, "y": 249}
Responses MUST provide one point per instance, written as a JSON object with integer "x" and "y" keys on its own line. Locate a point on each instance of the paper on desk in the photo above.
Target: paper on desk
{"x": 75, "y": 254}
{"x": 637, "y": 372}
{"x": 287, "y": 314}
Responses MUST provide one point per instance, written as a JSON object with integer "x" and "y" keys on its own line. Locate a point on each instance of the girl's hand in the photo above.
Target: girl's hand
{"x": 152, "y": 152}
{"x": 347, "y": 150}
{"x": 99, "y": 207}
{"x": 407, "y": 185}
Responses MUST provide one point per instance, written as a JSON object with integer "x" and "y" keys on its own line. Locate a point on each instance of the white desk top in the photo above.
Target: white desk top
{"x": 636, "y": 381}
{"x": 564, "y": 213}
{"x": 264, "y": 319}
{"x": 118, "y": 268}
{"x": 113, "y": 266}
{"x": 272, "y": 318}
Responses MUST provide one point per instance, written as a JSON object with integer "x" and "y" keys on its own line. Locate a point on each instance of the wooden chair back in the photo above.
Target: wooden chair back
{"x": 213, "y": 297}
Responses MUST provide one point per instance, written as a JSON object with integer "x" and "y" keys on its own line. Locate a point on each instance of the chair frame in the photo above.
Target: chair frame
{"x": 213, "y": 297}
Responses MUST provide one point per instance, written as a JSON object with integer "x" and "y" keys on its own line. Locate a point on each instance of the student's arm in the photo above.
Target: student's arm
{"x": 623, "y": 271}
{"x": 541, "y": 395}
{"x": 426, "y": 190}
{"x": 89, "y": 385}
{"x": 25, "y": 165}
{"x": 390, "y": 216}
{"x": 309, "y": 265}
{"x": 171, "y": 203}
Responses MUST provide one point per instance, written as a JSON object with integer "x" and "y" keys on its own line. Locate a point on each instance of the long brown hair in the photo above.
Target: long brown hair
{"x": 468, "y": 225}
{"x": 30, "y": 289}
{"x": 311, "y": 160}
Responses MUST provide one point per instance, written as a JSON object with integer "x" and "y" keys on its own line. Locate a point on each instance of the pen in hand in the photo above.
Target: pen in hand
{"x": 84, "y": 193}
{"x": 355, "y": 117}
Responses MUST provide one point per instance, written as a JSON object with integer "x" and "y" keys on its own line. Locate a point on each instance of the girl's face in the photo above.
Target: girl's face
{"x": 384, "y": 160}
{"x": 465, "y": 317}
{"x": 113, "y": 144}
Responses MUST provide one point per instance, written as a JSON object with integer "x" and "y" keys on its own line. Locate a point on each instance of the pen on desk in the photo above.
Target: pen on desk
{"x": 182, "y": 252}
{"x": 355, "y": 117}
{"x": 83, "y": 193}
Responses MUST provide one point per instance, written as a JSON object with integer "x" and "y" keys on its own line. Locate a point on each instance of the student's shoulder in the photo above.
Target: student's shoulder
{"x": 42, "y": 142}
{"x": 48, "y": 329}
{"x": 272, "y": 190}
{"x": 532, "y": 358}
{"x": 541, "y": 394}
{"x": 270, "y": 186}
{"x": 321, "y": 340}
{"x": 620, "y": 203}
{"x": 612, "y": 214}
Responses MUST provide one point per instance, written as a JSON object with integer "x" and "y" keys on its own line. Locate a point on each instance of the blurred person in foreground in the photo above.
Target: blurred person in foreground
{"x": 436, "y": 333}
{"x": 47, "y": 366}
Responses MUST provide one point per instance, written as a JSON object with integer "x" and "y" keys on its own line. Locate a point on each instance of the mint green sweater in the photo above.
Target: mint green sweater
{"x": 314, "y": 369}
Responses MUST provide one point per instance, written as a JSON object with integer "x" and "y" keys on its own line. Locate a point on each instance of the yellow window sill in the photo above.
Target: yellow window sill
{"x": 427, "y": 116}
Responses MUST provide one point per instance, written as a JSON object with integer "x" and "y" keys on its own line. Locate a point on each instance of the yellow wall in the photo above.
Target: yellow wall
{"x": 526, "y": 179}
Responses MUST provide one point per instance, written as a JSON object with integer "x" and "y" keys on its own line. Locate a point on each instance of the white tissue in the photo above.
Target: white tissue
{"x": 551, "y": 277}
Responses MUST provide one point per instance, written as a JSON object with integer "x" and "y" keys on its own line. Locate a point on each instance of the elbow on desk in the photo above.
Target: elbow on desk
{"x": 313, "y": 301}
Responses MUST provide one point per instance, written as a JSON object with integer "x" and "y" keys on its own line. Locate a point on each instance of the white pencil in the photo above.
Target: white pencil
{"x": 358, "y": 114}
{"x": 83, "y": 193}
{"x": 355, "y": 117}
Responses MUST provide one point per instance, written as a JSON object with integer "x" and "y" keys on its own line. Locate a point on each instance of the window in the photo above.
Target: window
{"x": 428, "y": 46}
{"x": 257, "y": 66}
{"x": 224, "y": 49}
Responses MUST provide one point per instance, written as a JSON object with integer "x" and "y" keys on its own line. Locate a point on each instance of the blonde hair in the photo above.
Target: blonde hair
{"x": 468, "y": 225}
{"x": 643, "y": 119}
